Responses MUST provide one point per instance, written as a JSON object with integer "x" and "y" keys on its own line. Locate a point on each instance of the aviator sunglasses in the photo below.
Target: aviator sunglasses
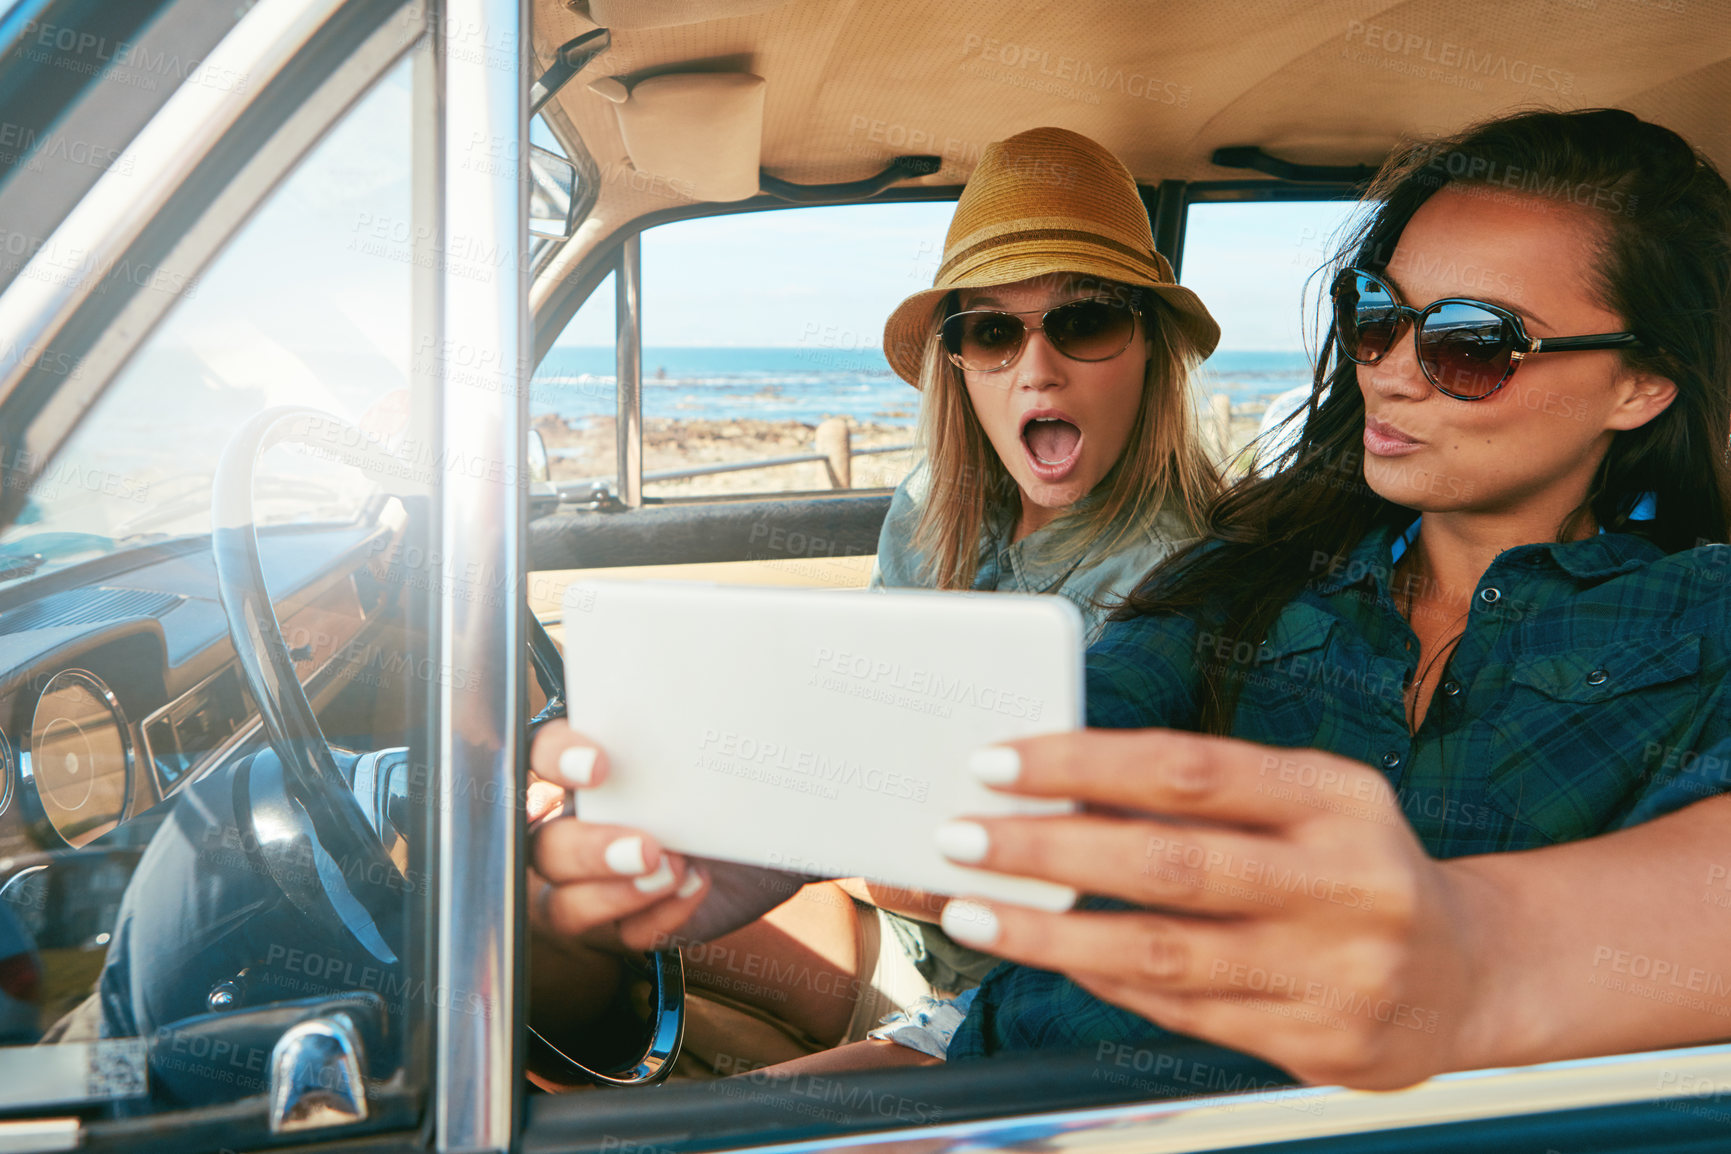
{"x": 1467, "y": 349}
{"x": 1091, "y": 329}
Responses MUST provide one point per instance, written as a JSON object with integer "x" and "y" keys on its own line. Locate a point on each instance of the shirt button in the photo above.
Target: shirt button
{"x": 1451, "y": 687}
{"x": 1490, "y": 594}
{"x": 1391, "y": 760}
{"x": 1598, "y": 677}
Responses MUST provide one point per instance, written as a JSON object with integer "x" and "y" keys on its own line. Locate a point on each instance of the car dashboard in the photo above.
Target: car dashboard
{"x": 121, "y": 686}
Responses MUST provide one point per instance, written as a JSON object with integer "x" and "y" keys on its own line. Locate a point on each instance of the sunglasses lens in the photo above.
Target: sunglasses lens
{"x": 983, "y": 340}
{"x": 1465, "y": 349}
{"x": 1090, "y": 330}
{"x": 1366, "y": 318}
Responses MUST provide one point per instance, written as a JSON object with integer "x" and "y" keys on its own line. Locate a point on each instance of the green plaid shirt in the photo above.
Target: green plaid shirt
{"x": 1588, "y": 693}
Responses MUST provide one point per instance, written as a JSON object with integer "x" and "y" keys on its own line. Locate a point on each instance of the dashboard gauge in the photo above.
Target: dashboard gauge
{"x": 80, "y": 758}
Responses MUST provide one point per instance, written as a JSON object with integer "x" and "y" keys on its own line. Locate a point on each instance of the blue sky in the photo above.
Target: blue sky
{"x": 830, "y": 276}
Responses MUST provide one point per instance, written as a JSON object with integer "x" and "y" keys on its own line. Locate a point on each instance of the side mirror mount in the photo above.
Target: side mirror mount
{"x": 539, "y": 469}
{"x": 543, "y": 496}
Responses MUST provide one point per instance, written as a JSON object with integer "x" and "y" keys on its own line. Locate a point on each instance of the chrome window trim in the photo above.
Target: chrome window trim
{"x": 471, "y": 94}
{"x": 628, "y": 369}
{"x": 1309, "y": 1113}
{"x": 40, "y": 1135}
{"x": 71, "y": 1075}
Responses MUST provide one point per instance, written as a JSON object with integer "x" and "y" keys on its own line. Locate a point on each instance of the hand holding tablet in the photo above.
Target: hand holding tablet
{"x": 812, "y": 731}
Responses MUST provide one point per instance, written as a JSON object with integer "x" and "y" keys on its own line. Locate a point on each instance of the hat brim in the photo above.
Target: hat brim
{"x": 911, "y": 326}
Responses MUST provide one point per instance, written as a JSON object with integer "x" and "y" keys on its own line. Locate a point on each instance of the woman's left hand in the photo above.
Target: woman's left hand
{"x": 1287, "y": 909}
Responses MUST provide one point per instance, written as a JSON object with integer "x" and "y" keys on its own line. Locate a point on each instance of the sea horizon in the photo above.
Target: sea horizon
{"x": 804, "y": 383}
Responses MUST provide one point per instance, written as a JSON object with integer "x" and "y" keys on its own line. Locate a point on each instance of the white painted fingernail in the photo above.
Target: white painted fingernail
{"x": 963, "y": 841}
{"x": 970, "y": 923}
{"x": 692, "y": 883}
{"x": 995, "y": 765}
{"x": 625, "y": 856}
{"x": 577, "y": 766}
{"x": 657, "y": 881}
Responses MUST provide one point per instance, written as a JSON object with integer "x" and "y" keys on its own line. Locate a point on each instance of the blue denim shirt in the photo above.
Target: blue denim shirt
{"x": 1095, "y": 584}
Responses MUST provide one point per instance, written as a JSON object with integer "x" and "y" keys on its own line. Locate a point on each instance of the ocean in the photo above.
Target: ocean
{"x": 809, "y": 384}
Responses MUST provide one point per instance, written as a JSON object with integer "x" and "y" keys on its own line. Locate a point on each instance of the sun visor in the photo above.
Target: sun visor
{"x": 702, "y": 132}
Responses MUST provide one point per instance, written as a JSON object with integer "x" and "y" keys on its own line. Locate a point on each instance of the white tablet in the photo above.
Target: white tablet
{"x": 820, "y": 731}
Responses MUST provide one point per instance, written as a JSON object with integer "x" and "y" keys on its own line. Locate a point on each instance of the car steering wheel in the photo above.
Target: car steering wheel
{"x": 304, "y": 807}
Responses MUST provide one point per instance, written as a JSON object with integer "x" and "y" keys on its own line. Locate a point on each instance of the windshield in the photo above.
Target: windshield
{"x": 307, "y": 306}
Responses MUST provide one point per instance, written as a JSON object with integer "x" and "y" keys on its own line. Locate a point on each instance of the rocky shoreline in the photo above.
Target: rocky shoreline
{"x": 586, "y": 449}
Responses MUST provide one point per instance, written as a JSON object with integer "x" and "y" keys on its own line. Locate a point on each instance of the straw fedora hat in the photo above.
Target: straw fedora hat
{"x": 1044, "y": 201}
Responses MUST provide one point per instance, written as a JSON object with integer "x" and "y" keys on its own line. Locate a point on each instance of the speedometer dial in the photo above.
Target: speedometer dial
{"x": 80, "y": 761}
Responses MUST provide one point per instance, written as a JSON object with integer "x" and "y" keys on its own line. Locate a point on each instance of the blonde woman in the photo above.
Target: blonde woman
{"x": 1057, "y": 435}
{"x": 1060, "y": 456}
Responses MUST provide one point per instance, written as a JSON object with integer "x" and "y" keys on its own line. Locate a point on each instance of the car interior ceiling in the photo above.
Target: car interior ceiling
{"x": 1271, "y": 77}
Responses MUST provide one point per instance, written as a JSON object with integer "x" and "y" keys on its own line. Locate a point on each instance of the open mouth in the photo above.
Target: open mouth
{"x": 1053, "y": 444}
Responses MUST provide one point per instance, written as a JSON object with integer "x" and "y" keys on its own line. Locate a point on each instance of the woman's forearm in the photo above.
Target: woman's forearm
{"x": 1618, "y": 943}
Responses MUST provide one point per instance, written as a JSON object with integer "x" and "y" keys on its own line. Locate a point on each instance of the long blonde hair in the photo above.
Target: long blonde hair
{"x": 1163, "y": 466}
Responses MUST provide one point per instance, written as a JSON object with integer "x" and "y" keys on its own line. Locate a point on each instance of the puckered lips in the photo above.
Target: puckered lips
{"x": 1382, "y": 439}
{"x": 1052, "y": 440}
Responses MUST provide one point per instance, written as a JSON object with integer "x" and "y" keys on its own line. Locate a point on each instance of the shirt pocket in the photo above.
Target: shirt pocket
{"x": 1286, "y": 686}
{"x": 1573, "y": 736}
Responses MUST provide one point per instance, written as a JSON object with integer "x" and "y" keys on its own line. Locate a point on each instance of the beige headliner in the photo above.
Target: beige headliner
{"x": 1162, "y": 83}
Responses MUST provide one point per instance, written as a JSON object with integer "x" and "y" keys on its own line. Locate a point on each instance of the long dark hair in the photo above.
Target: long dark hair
{"x": 1664, "y": 266}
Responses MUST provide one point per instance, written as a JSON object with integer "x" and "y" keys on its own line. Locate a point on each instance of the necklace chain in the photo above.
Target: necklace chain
{"x": 1416, "y": 575}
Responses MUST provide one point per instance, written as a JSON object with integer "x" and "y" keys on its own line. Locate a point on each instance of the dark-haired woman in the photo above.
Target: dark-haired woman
{"x": 1482, "y": 608}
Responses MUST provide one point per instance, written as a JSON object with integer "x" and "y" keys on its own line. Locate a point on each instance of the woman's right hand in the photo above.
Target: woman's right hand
{"x": 603, "y": 885}
{"x": 615, "y": 888}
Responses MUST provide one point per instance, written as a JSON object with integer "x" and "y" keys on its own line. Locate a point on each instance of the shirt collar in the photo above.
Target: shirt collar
{"x": 1590, "y": 558}
{"x": 1039, "y": 560}
{"x": 1372, "y": 559}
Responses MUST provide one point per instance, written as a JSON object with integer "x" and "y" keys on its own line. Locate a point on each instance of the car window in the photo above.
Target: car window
{"x": 759, "y": 330}
{"x": 184, "y": 909}
{"x": 1255, "y": 264}
{"x": 573, "y": 399}
{"x": 247, "y": 334}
